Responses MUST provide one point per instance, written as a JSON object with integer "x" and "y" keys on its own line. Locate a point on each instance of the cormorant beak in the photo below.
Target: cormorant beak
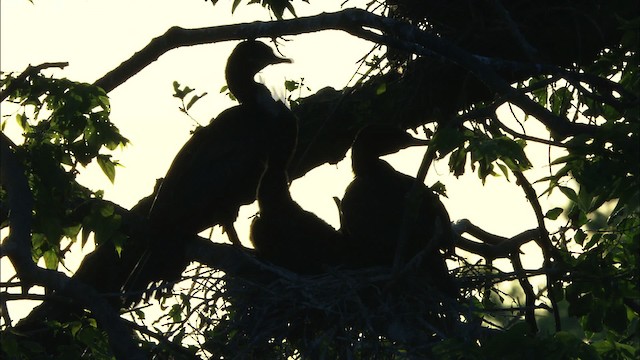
{"x": 279, "y": 60}
{"x": 419, "y": 142}
{"x": 406, "y": 142}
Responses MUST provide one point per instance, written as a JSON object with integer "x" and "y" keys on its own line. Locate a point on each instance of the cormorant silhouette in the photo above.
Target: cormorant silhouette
{"x": 284, "y": 233}
{"x": 373, "y": 207}
{"x": 218, "y": 169}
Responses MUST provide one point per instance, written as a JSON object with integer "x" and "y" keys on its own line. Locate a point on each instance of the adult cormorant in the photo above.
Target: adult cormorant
{"x": 218, "y": 169}
{"x": 373, "y": 207}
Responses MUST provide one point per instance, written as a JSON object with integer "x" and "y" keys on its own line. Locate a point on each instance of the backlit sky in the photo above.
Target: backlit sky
{"x": 96, "y": 36}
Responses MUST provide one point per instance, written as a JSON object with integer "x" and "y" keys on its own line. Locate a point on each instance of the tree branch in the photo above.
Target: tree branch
{"x": 29, "y": 71}
{"x": 492, "y": 246}
{"x": 548, "y": 250}
{"x": 529, "y": 294}
{"x": 529, "y": 51}
{"x": 350, "y": 21}
{"x": 357, "y": 22}
{"x": 516, "y": 134}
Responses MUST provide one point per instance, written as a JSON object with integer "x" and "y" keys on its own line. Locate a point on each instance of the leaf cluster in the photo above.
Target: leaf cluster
{"x": 65, "y": 127}
{"x": 482, "y": 148}
{"x": 276, "y": 7}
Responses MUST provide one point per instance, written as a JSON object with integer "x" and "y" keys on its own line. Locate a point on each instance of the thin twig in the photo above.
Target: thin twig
{"x": 29, "y": 71}
{"x": 412, "y": 201}
{"x": 529, "y": 295}
{"x": 528, "y": 137}
{"x": 548, "y": 250}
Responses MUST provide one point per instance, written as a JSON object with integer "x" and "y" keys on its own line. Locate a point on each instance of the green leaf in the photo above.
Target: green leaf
{"x": 595, "y": 238}
{"x": 563, "y": 159}
{"x": 584, "y": 199}
{"x": 553, "y": 213}
{"x": 594, "y": 318}
{"x": 118, "y": 242}
{"x": 579, "y": 237}
{"x": 90, "y": 336}
{"x": 616, "y": 317}
{"x": 291, "y": 85}
{"x": 580, "y": 306}
{"x": 540, "y": 95}
{"x": 10, "y": 344}
{"x": 439, "y": 188}
{"x": 457, "y": 162}
{"x": 176, "y": 89}
{"x": 106, "y": 209}
{"x": 92, "y": 322}
{"x": 381, "y": 89}
{"x": 569, "y": 193}
{"x": 107, "y": 166}
{"x": 175, "y": 313}
{"x": 51, "y": 259}
{"x": 139, "y": 313}
{"x": 235, "y": 5}
{"x": 22, "y": 121}
{"x": 72, "y": 231}
{"x": 505, "y": 170}
{"x": 560, "y": 101}
{"x": 181, "y": 93}
{"x": 194, "y": 99}
{"x": 447, "y": 139}
{"x": 75, "y": 327}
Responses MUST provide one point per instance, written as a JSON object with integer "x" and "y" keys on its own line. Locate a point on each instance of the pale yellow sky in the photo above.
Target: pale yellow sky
{"x": 96, "y": 36}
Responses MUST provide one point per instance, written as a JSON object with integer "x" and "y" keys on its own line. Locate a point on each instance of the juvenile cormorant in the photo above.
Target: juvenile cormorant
{"x": 218, "y": 169}
{"x": 287, "y": 235}
{"x": 373, "y": 207}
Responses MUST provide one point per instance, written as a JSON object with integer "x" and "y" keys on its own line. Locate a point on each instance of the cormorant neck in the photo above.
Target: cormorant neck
{"x": 243, "y": 86}
{"x": 365, "y": 162}
{"x": 273, "y": 190}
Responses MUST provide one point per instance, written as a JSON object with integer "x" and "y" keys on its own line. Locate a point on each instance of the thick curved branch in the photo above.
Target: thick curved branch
{"x": 492, "y": 246}
{"x": 350, "y": 20}
{"x": 443, "y": 80}
{"x": 397, "y": 34}
{"x": 18, "y": 249}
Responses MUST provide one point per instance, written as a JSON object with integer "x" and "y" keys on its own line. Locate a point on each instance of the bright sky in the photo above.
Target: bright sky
{"x": 95, "y": 37}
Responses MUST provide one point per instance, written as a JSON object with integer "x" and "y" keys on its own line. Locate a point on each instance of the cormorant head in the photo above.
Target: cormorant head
{"x": 252, "y": 56}
{"x": 383, "y": 139}
{"x": 245, "y": 61}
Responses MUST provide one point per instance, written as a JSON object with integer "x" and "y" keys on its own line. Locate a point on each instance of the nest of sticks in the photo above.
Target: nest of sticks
{"x": 343, "y": 313}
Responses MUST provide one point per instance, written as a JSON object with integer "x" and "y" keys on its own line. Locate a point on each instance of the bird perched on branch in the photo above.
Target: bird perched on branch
{"x": 218, "y": 169}
{"x": 373, "y": 207}
{"x": 287, "y": 235}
